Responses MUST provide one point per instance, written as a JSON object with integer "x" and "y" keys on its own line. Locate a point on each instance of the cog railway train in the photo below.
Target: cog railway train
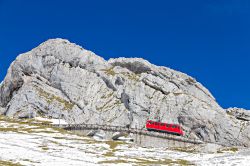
{"x": 164, "y": 127}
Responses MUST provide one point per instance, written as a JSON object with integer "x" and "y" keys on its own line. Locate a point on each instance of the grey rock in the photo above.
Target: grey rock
{"x": 2, "y": 110}
{"x": 62, "y": 80}
{"x": 239, "y": 113}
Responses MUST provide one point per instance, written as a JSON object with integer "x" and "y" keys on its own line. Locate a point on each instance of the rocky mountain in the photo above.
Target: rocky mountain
{"x": 62, "y": 80}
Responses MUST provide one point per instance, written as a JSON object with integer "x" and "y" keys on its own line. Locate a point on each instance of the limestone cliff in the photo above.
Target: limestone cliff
{"x": 62, "y": 80}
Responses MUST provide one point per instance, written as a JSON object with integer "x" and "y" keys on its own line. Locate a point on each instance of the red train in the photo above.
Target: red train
{"x": 164, "y": 127}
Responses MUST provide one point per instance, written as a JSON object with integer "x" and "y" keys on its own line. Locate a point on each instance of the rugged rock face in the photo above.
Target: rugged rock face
{"x": 239, "y": 113}
{"x": 62, "y": 80}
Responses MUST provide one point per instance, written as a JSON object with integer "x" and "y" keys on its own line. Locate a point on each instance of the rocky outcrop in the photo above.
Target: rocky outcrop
{"x": 239, "y": 113}
{"x": 2, "y": 110}
{"x": 62, "y": 80}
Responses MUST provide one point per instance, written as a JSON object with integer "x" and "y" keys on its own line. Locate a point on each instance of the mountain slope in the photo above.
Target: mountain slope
{"x": 62, "y": 80}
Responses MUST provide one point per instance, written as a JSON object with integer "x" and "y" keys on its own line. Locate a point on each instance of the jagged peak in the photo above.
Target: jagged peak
{"x": 57, "y": 44}
{"x": 64, "y": 51}
{"x": 59, "y": 41}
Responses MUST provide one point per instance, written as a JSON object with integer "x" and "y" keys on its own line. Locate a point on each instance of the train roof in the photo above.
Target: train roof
{"x": 163, "y": 122}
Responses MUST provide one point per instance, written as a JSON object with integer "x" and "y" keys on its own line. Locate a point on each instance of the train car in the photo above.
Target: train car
{"x": 164, "y": 127}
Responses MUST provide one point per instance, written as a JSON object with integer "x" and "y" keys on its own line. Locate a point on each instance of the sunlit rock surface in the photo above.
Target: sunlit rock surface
{"x": 239, "y": 113}
{"x": 59, "y": 79}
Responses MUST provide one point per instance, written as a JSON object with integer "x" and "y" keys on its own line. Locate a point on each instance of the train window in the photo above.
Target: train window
{"x": 162, "y": 124}
{"x": 156, "y": 123}
{"x": 173, "y": 126}
{"x": 168, "y": 125}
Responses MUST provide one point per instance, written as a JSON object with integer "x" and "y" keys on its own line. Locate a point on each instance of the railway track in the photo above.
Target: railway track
{"x": 72, "y": 127}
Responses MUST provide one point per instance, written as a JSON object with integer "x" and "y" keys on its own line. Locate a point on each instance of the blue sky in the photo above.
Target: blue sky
{"x": 209, "y": 39}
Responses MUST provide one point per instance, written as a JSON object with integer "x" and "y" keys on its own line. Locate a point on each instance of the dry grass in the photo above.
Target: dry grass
{"x": 9, "y": 163}
{"x": 50, "y": 98}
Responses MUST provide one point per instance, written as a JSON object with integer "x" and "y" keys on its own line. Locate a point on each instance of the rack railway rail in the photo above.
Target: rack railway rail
{"x": 73, "y": 127}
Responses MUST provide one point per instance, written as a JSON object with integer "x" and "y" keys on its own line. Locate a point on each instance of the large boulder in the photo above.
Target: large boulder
{"x": 62, "y": 80}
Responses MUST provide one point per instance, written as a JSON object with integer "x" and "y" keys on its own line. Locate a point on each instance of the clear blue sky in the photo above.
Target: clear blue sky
{"x": 207, "y": 39}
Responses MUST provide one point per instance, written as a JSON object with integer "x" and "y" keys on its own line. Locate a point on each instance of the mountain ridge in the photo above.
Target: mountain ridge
{"x": 60, "y": 79}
